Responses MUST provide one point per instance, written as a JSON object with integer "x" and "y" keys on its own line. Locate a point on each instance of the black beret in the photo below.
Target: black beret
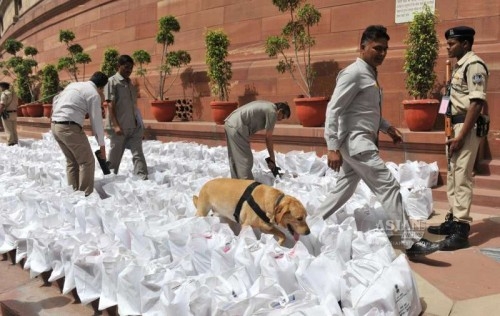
{"x": 459, "y": 31}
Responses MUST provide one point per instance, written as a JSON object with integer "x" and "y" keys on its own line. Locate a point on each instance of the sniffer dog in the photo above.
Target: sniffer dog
{"x": 254, "y": 204}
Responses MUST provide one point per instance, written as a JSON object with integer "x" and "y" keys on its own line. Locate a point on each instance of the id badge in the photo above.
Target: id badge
{"x": 445, "y": 102}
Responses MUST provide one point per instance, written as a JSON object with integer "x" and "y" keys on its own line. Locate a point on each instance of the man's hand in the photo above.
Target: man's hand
{"x": 454, "y": 144}
{"x": 118, "y": 130}
{"x": 270, "y": 163}
{"x": 103, "y": 152}
{"x": 334, "y": 159}
{"x": 272, "y": 166}
{"x": 395, "y": 134}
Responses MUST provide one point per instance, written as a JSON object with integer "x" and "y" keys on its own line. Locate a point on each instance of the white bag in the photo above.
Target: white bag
{"x": 128, "y": 294}
{"x": 88, "y": 275}
{"x": 418, "y": 202}
{"x": 390, "y": 290}
{"x": 280, "y": 264}
{"x": 418, "y": 173}
{"x": 112, "y": 265}
{"x": 322, "y": 275}
{"x": 338, "y": 238}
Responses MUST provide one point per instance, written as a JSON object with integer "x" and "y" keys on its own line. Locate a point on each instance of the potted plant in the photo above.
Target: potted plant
{"x": 219, "y": 74}
{"x": 420, "y": 58}
{"x": 109, "y": 67}
{"x": 76, "y": 55}
{"x": 163, "y": 109}
{"x": 293, "y": 47}
{"x": 50, "y": 87}
{"x": 24, "y": 72}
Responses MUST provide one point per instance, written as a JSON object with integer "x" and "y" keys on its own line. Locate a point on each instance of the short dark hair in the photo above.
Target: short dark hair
{"x": 99, "y": 79}
{"x": 5, "y": 85}
{"x": 374, "y": 32}
{"x": 125, "y": 59}
{"x": 283, "y": 106}
{"x": 469, "y": 39}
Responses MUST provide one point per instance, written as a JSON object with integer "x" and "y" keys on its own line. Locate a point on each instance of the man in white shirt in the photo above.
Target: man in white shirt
{"x": 353, "y": 120}
{"x": 68, "y": 114}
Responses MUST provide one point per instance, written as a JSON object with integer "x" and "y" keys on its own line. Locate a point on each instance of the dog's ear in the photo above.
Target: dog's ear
{"x": 280, "y": 210}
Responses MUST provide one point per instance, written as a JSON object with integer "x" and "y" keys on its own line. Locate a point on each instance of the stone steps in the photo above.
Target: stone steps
{"x": 486, "y": 186}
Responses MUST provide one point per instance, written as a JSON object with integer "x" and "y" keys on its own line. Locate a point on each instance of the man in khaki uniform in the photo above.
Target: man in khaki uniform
{"x": 8, "y": 108}
{"x": 467, "y": 93}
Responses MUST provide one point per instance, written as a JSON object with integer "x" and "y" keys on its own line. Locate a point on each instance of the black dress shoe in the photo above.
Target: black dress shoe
{"x": 446, "y": 228}
{"x": 422, "y": 248}
{"x": 459, "y": 239}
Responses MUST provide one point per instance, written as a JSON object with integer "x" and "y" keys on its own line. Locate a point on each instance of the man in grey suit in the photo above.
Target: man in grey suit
{"x": 353, "y": 121}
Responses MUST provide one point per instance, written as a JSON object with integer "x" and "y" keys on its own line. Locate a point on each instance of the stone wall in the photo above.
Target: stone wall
{"x": 129, "y": 25}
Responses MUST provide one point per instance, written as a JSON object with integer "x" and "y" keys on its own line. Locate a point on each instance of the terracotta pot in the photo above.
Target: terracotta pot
{"x": 420, "y": 115}
{"x": 24, "y": 110}
{"x": 221, "y": 109}
{"x": 20, "y": 111}
{"x": 47, "y": 110}
{"x": 311, "y": 112}
{"x": 34, "y": 109}
{"x": 163, "y": 110}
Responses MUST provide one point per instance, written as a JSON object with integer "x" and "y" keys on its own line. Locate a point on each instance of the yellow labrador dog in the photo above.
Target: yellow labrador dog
{"x": 254, "y": 204}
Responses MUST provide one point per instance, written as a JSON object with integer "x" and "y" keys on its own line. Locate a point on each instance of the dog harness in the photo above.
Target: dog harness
{"x": 247, "y": 197}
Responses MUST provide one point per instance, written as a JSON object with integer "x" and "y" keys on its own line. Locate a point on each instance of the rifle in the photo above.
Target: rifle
{"x": 448, "y": 128}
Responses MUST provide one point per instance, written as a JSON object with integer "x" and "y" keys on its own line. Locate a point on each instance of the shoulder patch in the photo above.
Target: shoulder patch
{"x": 478, "y": 78}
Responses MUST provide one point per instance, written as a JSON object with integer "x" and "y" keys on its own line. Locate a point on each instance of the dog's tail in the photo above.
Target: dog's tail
{"x": 195, "y": 201}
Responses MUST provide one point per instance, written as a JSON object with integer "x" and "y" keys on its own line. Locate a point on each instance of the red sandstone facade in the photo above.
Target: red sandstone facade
{"x": 128, "y": 25}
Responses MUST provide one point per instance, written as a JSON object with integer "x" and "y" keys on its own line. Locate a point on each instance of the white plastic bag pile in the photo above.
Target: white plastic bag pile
{"x": 138, "y": 245}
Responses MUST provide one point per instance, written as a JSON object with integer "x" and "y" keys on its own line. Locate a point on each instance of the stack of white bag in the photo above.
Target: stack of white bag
{"x": 142, "y": 248}
{"x": 416, "y": 179}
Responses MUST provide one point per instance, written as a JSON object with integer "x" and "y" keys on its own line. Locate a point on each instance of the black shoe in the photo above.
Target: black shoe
{"x": 446, "y": 228}
{"x": 459, "y": 239}
{"x": 422, "y": 248}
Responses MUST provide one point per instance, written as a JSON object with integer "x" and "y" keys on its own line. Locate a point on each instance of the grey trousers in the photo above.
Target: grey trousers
{"x": 239, "y": 154}
{"x": 80, "y": 162}
{"x": 131, "y": 139}
{"x": 369, "y": 167}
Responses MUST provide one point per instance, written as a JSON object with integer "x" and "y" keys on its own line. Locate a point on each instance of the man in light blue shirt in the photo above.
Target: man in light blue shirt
{"x": 353, "y": 121}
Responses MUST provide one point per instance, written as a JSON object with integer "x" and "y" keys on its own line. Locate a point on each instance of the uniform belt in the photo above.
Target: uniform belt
{"x": 11, "y": 111}
{"x": 67, "y": 123}
{"x": 457, "y": 119}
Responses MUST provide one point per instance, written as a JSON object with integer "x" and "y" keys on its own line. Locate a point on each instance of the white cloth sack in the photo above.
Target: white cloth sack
{"x": 382, "y": 290}
{"x": 418, "y": 202}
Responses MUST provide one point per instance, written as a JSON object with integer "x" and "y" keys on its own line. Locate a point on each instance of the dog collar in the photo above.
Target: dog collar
{"x": 278, "y": 200}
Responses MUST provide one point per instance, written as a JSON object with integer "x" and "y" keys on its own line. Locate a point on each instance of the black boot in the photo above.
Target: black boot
{"x": 458, "y": 239}
{"x": 422, "y": 248}
{"x": 446, "y": 228}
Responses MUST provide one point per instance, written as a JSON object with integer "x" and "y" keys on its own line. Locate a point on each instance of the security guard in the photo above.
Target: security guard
{"x": 8, "y": 109}
{"x": 467, "y": 92}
